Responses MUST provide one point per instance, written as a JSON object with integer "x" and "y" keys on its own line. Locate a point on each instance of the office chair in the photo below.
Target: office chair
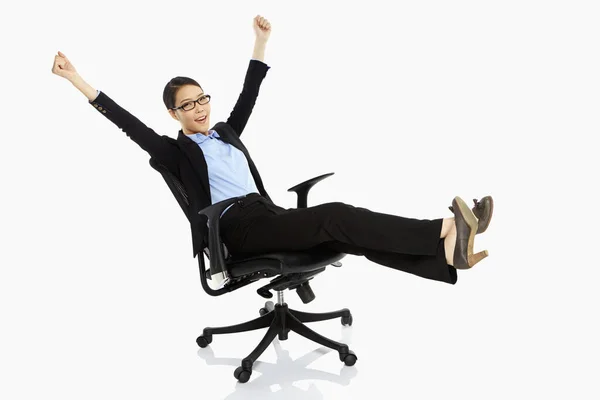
{"x": 290, "y": 270}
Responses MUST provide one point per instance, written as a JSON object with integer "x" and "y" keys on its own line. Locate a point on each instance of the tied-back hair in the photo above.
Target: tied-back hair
{"x": 173, "y": 86}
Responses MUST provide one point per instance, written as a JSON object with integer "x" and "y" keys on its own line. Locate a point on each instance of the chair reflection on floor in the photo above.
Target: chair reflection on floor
{"x": 277, "y": 379}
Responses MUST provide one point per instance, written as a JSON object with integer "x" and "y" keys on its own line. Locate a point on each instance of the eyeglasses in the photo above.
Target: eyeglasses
{"x": 190, "y": 105}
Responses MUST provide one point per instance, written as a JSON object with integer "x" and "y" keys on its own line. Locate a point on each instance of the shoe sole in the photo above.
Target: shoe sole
{"x": 482, "y": 223}
{"x": 471, "y": 221}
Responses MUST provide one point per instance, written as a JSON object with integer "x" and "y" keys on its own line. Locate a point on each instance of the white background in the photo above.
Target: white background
{"x": 409, "y": 103}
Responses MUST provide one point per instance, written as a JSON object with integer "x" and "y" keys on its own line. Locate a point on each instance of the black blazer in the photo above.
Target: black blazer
{"x": 183, "y": 157}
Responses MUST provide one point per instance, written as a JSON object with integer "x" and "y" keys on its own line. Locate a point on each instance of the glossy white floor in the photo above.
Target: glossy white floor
{"x": 126, "y": 328}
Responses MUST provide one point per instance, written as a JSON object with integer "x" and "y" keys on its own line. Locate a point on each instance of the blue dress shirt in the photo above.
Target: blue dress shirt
{"x": 228, "y": 171}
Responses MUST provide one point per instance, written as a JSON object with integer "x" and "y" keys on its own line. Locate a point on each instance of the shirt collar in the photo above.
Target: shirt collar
{"x": 200, "y": 138}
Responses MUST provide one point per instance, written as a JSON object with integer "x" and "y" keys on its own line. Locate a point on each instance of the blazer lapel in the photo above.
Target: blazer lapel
{"x": 194, "y": 153}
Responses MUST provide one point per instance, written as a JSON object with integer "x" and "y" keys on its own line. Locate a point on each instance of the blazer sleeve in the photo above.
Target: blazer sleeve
{"x": 157, "y": 146}
{"x": 257, "y": 70}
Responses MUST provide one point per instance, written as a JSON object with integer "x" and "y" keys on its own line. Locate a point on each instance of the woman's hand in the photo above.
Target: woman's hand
{"x": 262, "y": 28}
{"x": 63, "y": 67}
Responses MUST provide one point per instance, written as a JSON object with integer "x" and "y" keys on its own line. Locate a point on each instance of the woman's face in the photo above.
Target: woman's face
{"x": 190, "y": 120}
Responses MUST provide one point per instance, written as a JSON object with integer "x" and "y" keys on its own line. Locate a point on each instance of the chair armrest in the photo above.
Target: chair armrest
{"x": 302, "y": 189}
{"x": 218, "y": 269}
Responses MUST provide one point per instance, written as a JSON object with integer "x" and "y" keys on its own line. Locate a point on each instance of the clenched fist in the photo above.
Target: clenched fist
{"x": 262, "y": 28}
{"x": 63, "y": 67}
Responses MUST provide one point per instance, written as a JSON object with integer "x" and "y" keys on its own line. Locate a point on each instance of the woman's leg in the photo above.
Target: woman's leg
{"x": 449, "y": 235}
{"x": 438, "y": 267}
{"x": 429, "y": 267}
{"x": 408, "y": 244}
{"x": 302, "y": 228}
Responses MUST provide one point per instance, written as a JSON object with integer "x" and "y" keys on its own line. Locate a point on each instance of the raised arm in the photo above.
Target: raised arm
{"x": 257, "y": 70}
{"x": 158, "y": 147}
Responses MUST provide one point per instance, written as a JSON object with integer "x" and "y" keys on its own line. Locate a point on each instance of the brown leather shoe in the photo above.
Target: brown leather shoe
{"x": 483, "y": 210}
{"x": 466, "y": 228}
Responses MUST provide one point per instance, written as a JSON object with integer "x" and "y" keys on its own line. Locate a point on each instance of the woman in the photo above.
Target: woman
{"x": 214, "y": 165}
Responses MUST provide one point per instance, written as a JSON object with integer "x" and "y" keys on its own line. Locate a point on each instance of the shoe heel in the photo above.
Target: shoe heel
{"x": 475, "y": 258}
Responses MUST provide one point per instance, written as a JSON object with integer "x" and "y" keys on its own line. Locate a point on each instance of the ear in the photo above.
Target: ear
{"x": 174, "y": 114}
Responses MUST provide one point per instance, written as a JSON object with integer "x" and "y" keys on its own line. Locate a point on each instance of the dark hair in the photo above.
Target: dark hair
{"x": 173, "y": 86}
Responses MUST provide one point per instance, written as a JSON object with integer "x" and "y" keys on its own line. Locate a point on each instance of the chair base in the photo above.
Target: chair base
{"x": 280, "y": 320}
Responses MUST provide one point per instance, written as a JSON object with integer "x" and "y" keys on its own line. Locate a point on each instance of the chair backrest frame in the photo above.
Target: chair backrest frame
{"x": 176, "y": 186}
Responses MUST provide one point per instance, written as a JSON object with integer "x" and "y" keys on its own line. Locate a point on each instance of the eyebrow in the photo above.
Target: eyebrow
{"x": 201, "y": 94}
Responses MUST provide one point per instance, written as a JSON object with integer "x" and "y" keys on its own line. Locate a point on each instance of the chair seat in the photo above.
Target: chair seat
{"x": 282, "y": 262}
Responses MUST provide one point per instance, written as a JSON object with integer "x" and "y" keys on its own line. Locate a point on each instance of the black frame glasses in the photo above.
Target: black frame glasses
{"x": 193, "y": 103}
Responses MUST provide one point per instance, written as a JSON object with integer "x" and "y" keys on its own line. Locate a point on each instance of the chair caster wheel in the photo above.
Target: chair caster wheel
{"x": 347, "y": 320}
{"x": 349, "y": 358}
{"x": 204, "y": 341}
{"x": 242, "y": 375}
{"x": 269, "y": 306}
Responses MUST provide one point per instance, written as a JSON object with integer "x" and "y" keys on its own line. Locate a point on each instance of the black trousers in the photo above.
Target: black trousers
{"x": 256, "y": 225}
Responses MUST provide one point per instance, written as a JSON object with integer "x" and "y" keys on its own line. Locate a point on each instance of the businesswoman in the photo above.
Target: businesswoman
{"x": 213, "y": 164}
